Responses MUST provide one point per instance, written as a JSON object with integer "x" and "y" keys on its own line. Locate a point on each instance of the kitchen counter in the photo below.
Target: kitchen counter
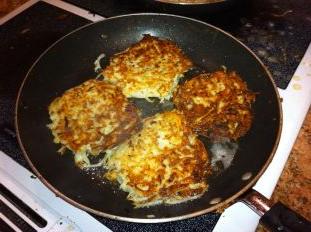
{"x": 294, "y": 186}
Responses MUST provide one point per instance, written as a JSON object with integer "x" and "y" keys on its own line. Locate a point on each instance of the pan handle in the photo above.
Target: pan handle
{"x": 276, "y": 217}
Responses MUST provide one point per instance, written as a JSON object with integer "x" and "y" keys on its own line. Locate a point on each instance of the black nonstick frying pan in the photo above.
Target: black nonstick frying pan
{"x": 70, "y": 61}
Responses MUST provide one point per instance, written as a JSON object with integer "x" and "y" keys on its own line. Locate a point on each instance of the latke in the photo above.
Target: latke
{"x": 89, "y": 118}
{"x": 216, "y": 105}
{"x": 149, "y": 68}
{"x": 163, "y": 163}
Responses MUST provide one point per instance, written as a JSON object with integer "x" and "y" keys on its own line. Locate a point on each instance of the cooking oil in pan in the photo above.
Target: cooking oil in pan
{"x": 221, "y": 152}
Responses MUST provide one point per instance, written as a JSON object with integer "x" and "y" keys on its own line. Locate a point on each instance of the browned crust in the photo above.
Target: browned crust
{"x": 187, "y": 162}
{"x": 227, "y": 108}
{"x": 151, "y": 64}
{"x": 80, "y": 124}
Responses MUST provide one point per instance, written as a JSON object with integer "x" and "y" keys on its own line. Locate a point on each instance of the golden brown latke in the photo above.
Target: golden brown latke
{"x": 91, "y": 117}
{"x": 216, "y": 105}
{"x": 163, "y": 163}
{"x": 149, "y": 68}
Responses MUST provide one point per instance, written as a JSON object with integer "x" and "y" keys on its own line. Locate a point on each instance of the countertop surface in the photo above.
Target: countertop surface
{"x": 294, "y": 186}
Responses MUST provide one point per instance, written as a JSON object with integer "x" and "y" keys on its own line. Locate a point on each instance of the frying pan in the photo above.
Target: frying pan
{"x": 70, "y": 61}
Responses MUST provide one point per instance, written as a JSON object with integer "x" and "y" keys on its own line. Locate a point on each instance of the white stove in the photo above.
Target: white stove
{"x": 57, "y": 215}
{"x": 61, "y": 216}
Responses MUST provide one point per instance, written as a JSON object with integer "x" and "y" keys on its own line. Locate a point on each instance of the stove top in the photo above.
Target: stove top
{"x": 278, "y": 31}
{"x": 23, "y": 39}
{"x": 279, "y": 34}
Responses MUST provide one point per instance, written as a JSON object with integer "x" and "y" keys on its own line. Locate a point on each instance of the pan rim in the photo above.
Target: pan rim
{"x": 203, "y": 2}
{"x": 152, "y": 220}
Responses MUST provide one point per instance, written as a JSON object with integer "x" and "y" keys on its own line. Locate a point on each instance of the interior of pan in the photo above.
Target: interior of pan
{"x": 70, "y": 61}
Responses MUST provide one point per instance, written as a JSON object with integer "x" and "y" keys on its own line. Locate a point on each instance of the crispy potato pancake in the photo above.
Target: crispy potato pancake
{"x": 149, "y": 68}
{"x": 90, "y": 118}
{"x": 216, "y": 105}
{"x": 163, "y": 163}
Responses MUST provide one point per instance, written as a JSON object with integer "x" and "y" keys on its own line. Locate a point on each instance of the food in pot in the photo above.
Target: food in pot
{"x": 165, "y": 162}
{"x": 150, "y": 68}
{"x": 89, "y": 118}
{"x": 217, "y": 105}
